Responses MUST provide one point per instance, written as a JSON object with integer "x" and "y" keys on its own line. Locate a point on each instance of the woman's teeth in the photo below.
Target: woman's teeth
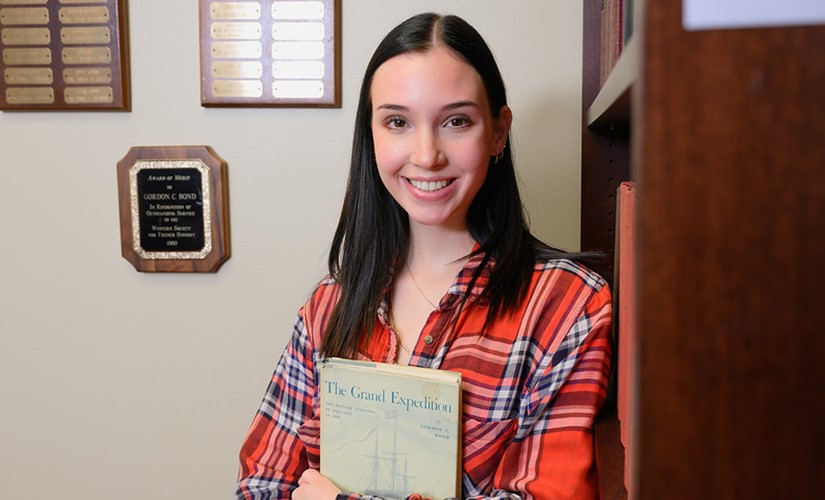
{"x": 429, "y": 185}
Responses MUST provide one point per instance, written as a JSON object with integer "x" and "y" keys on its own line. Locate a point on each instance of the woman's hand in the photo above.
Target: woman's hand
{"x": 313, "y": 486}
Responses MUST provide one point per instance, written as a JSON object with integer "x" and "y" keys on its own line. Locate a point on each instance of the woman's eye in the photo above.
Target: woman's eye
{"x": 458, "y": 122}
{"x": 395, "y": 122}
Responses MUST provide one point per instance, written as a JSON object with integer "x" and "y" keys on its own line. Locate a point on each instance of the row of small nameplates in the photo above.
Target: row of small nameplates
{"x": 281, "y": 89}
{"x": 42, "y": 56}
{"x": 280, "y": 31}
{"x": 250, "y": 11}
{"x": 72, "y": 95}
{"x": 69, "y": 36}
{"x": 45, "y": 76}
{"x": 16, "y": 16}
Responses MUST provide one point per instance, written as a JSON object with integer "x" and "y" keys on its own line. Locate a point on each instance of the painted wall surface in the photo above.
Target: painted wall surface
{"x": 119, "y": 384}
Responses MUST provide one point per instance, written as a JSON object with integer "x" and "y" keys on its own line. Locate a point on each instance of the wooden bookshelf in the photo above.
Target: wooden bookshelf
{"x": 722, "y": 132}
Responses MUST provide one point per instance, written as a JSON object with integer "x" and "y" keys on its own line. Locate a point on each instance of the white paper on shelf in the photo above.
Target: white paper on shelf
{"x": 716, "y": 14}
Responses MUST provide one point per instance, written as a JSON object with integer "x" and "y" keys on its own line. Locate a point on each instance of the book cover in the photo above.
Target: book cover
{"x": 625, "y": 284}
{"x": 391, "y": 430}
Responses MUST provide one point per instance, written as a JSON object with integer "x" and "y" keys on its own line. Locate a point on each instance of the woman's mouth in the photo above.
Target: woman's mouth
{"x": 430, "y": 186}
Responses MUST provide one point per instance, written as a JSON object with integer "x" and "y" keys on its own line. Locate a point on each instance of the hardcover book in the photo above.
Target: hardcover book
{"x": 391, "y": 430}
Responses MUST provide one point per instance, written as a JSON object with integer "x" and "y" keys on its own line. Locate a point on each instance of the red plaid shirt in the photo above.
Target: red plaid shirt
{"x": 533, "y": 383}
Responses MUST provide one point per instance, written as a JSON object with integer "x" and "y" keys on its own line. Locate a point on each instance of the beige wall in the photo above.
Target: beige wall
{"x": 117, "y": 384}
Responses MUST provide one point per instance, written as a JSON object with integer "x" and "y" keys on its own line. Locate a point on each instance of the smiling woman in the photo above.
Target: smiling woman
{"x": 432, "y": 264}
{"x": 434, "y": 135}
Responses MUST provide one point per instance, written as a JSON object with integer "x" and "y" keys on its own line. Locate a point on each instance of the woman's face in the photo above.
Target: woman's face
{"x": 434, "y": 134}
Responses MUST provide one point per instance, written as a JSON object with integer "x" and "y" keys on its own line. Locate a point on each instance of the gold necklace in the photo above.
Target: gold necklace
{"x": 418, "y": 287}
{"x": 398, "y": 333}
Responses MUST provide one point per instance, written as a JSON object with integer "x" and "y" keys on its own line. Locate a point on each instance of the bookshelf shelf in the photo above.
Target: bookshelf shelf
{"x": 612, "y": 103}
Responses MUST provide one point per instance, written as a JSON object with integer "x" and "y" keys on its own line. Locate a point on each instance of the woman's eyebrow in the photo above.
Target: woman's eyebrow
{"x": 451, "y": 106}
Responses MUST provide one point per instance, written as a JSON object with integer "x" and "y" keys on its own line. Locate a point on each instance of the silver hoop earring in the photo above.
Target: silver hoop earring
{"x": 499, "y": 156}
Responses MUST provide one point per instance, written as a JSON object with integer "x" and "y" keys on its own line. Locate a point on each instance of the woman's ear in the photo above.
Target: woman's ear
{"x": 501, "y": 129}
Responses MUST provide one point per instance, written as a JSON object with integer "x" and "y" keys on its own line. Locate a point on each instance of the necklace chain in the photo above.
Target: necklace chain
{"x": 398, "y": 333}
{"x": 415, "y": 282}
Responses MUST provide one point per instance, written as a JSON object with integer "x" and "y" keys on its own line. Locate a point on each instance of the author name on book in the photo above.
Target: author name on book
{"x": 392, "y": 397}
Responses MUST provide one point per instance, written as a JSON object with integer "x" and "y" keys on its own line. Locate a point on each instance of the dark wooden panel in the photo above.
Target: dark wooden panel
{"x": 732, "y": 199}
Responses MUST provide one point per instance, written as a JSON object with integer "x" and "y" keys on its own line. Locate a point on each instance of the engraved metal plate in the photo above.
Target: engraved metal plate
{"x": 298, "y": 31}
{"x": 88, "y": 95}
{"x": 84, "y": 15}
{"x": 86, "y": 35}
{"x": 298, "y": 89}
{"x": 237, "y": 50}
{"x": 297, "y": 50}
{"x": 25, "y": 36}
{"x": 87, "y": 76}
{"x": 165, "y": 209}
{"x": 24, "y": 15}
{"x": 28, "y": 76}
{"x": 87, "y": 55}
{"x": 23, "y": 2}
{"x": 235, "y": 11}
{"x": 30, "y": 95}
{"x": 237, "y": 88}
{"x": 297, "y": 10}
{"x": 237, "y": 69}
{"x": 284, "y": 70}
{"x": 27, "y": 57}
{"x": 236, "y": 31}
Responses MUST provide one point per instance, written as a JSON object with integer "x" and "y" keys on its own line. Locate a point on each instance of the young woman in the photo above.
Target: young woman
{"x": 432, "y": 265}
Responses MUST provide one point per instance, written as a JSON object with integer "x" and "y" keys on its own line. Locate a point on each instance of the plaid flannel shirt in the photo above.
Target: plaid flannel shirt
{"x": 532, "y": 381}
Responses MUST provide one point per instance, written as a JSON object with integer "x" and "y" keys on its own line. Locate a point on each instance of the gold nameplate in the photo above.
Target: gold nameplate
{"x": 300, "y": 70}
{"x": 88, "y": 95}
{"x": 87, "y": 76}
{"x": 70, "y": 2}
{"x": 235, "y": 11}
{"x": 236, "y": 31}
{"x": 84, "y": 15}
{"x": 30, "y": 95}
{"x": 237, "y": 69}
{"x": 32, "y": 15}
{"x": 23, "y": 2}
{"x": 297, "y": 31}
{"x": 237, "y": 50}
{"x": 28, "y": 76}
{"x": 297, "y": 10}
{"x": 298, "y": 50}
{"x": 298, "y": 89}
{"x": 25, "y": 36}
{"x": 27, "y": 57}
{"x": 85, "y": 36}
{"x": 237, "y": 88}
{"x": 87, "y": 55}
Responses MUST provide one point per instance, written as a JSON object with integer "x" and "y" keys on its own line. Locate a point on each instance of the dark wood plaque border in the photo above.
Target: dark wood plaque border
{"x": 332, "y": 61}
{"x": 119, "y": 65}
{"x": 218, "y": 209}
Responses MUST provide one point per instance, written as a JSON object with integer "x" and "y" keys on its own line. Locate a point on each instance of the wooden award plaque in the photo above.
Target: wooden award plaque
{"x": 173, "y": 209}
{"x": 270, "y": 53}
{"x": 64, "y": 55}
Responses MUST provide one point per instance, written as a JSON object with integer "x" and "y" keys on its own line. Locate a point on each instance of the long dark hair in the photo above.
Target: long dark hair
{"x": 373, "y": 230}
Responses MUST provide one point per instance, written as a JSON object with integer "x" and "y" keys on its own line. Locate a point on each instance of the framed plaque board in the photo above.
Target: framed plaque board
{"x": 173, "y": 209}
{"x": 270, "y": 53}
{"x": 63, "y": 55}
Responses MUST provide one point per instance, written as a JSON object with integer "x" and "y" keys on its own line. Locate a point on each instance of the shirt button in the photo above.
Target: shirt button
{"x": 428, "y": 340}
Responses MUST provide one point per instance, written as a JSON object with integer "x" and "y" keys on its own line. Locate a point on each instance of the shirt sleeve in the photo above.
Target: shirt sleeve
{"x": 552, "y": 454}
{"x": 273, "y": 457}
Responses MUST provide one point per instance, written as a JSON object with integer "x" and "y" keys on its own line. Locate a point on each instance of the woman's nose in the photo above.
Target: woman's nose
{"x": 427, "y": 152}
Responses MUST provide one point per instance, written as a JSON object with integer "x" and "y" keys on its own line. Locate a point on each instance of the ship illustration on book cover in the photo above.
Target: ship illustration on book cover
{"x": 389, "y": 430}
